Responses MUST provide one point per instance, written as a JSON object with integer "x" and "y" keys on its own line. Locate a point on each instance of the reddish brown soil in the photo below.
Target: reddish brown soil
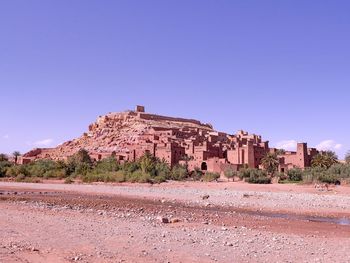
{"x": 51, "y": 225}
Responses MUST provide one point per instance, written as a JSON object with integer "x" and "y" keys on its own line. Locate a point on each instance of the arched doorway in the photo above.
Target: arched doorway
{"x": 204, "y": 166}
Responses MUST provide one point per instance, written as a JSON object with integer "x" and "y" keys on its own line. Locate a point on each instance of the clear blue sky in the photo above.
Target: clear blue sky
{"x": 276, "y": 68}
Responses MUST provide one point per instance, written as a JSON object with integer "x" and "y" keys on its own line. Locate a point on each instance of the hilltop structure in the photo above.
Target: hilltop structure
{"x": 129, "y": 135}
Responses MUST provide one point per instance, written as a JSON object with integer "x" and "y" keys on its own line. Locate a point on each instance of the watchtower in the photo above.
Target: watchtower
{"x": 140, "y": 108}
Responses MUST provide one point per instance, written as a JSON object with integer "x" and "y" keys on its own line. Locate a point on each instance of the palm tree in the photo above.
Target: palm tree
{"x": 270, "y": 163}
{"x": 318, "y": 161}
{"x": 16, "y": 154}
{"x": 332, "y": 156}
{"x": 280, "y": 151}
{"x": 324, "y": 159}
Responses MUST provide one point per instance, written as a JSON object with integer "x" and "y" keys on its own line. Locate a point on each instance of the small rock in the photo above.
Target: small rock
{"x": 204, "y": 197}
{"x": 174, "y": 220}
{"x": 163, "y": 219}
{"x": 34, "y": 249}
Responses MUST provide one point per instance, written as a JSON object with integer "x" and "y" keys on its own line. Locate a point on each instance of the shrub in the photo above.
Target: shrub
{"x": 250, "y": 172}
{"x": 144, "y": 178}
{"x": 16, "y": 170}
{"x": 327, "y": 178}
{"x": 40, "y": 167}
{"x": 139, "y": 177}
{"x": 148, "y": 163}
{"x": 4, "y": 165}
{"x": 107, "y": 165}
{"x": 257, "y": 173}
{"x": 347, "y": 157}
{"x": 196, "y": 174}
{"x": 79, "y": 163}
{"x": 311, "y": 174}
{"x": 68, "y": 180}
{"x": 107, "y": 177}
{"x": 340, "y": 170}
{"x": 259, "y": 180}
{"x": 3, "y": 157}
{"x": 334, "y": 173}
{"x": 281, "y": 176}
{"x": 295, "y": 174}
{"x": 159, "y": 179}
{"x": 179, "y": 172}
{"x": 209, "y": 177}
{"x": 229, "y": 173}
{"x": 162, "y": 169}
{"x": 82, "y": 156}
{"x": 82, "y": 169}
{"x": 119, "y": 177}
{"x": 20, "y": 178}
{"x": 244, "y": 173}
{"x": 32, "y": 180}
{"x": 345, "y": 172}
{"x": 257, "y": 176}
{"x": 130, "y": 167}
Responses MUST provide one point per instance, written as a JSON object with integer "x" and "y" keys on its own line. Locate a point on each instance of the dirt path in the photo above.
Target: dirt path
{"x": 84, "y": 223}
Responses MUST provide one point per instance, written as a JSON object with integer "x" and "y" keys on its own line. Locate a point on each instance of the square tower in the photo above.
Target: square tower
{"x": 140, "y": 108}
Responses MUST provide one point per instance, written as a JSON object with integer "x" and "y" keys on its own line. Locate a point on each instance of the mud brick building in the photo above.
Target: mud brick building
{"x": 129, "y": 135}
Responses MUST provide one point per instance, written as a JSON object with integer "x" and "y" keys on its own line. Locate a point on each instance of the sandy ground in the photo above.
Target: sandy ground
{"x": 210, "y": 222}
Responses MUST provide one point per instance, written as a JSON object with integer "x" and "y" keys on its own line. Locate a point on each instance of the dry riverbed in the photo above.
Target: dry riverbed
{"x": 173, "y": 222}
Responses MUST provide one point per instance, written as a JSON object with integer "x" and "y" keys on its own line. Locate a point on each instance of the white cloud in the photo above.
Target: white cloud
{"x": 329, "y": 145}
{"x": 338, "y": 146}
{"x": 288, "y": 145}
{"x": 45, "y": 142}
{"x": 6, "y": 137}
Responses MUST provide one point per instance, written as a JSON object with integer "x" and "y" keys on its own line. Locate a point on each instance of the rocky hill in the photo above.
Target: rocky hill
{"x": 116, "y": 132}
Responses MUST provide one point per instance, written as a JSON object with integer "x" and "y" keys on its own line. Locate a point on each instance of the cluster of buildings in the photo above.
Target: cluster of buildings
{"x": 215, "y": 151}
{"x": 198, "y": 146}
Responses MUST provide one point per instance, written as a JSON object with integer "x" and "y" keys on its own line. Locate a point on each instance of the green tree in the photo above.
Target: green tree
{"x": 210, "y": 177}
{"x": 79, "y": 163}
{"x": 229, "y": 173}
{"x": 270, "y": 162}
{"x": 16, "y": 154}
{"x": 4, "y": 166}
{"x": 196, "y": 174}
{"x": 162, "y": 169}
{"x": 107, "y": 165}
{"x": 82, "y": 169}
{"x": 295, "y": 174}
{"x": 179, "y": 172}
{"x": 82, "y": 156}
{"x": 347, "y": 157}
{"x": 324, "y": 159}
{"x": 280, "y": 151}
{"x": 147, "y": 163}
{"x": 3, "y": 157}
